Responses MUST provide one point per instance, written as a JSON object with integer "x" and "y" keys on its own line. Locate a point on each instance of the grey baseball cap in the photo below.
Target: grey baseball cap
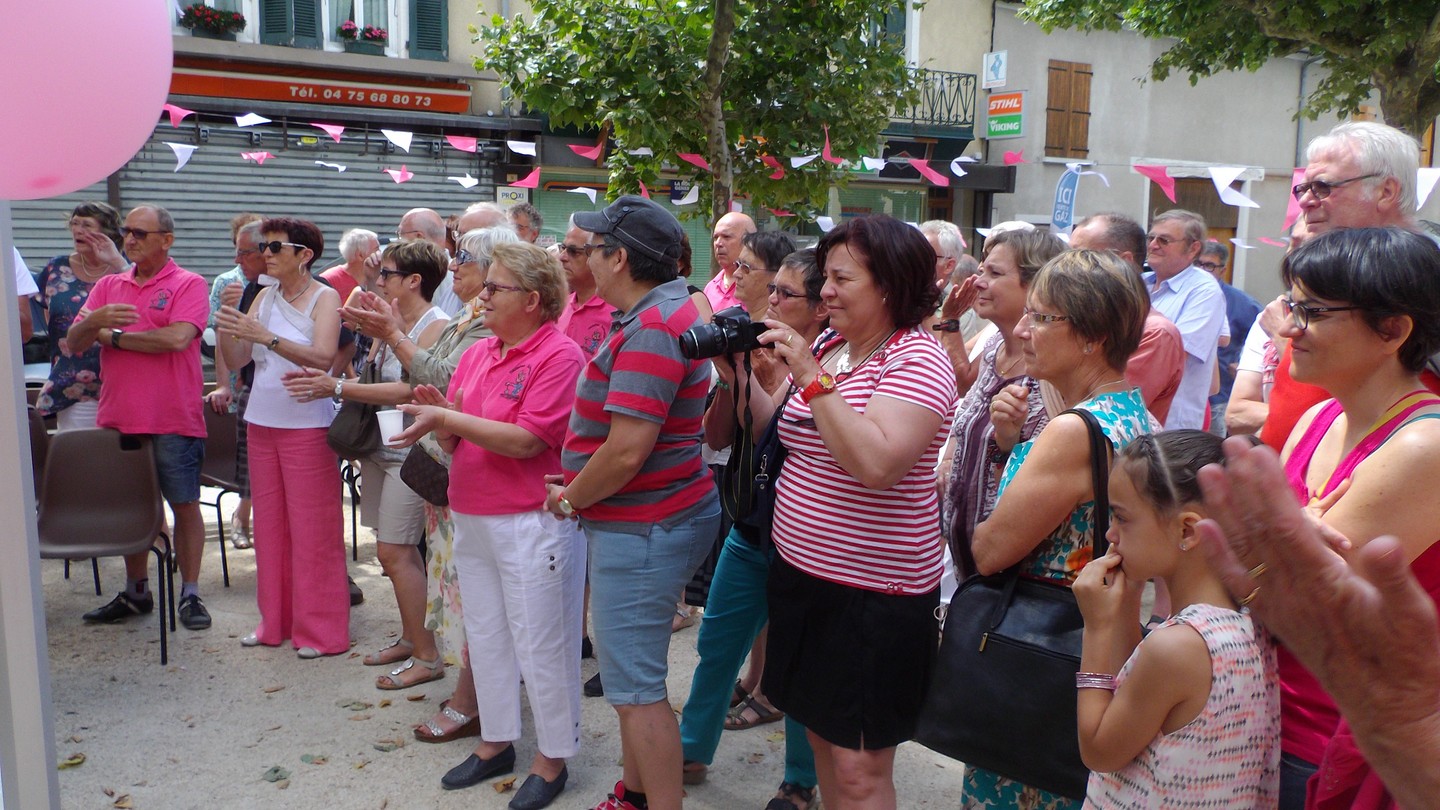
{"x": 640, "y": 225}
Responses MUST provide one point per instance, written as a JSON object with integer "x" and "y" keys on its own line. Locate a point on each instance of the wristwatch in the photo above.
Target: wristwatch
{"x": 566, "y": 508}
{"x": 274, "y": 342}
{"x": 823, "y": 383}
{"x": 115, "y": 337}
{"x": 339, "y": 386}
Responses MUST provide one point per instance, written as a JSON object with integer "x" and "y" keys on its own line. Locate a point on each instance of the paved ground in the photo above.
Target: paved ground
{"x": 203, "y": 731}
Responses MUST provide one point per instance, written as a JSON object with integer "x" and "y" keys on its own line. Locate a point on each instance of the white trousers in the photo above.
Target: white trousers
{"x": 522, "y": 582}
{"x": 80, "y": 416}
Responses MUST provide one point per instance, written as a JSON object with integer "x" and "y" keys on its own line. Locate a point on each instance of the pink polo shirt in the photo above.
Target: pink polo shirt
{"x": 533, "y": 386}
{"x": 720, "y": 296}
{"x": 153, "y": 393}
{"x": 587, "y": 324}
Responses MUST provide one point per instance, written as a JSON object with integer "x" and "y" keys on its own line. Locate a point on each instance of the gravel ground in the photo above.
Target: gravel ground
{"x": 204, "y": 731}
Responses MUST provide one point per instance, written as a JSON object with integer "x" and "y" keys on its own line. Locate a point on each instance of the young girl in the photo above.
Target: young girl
{"x": 1192, "y": 718}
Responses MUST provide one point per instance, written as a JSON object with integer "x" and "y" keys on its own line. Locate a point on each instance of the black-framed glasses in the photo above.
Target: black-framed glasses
{"x": 786, "y": 295}
{"x": 1163, "y": 241}
{"x": 1322, "y": 188}
{"x": 1040, "y": 318}
{"x": 492, "y": 288}
{"x": 1210, "y": 267}
{"x": 138, "y": 233}
{"x": 386, "y": 273}
{"x": 751, "y": 268}
{"x": 1302, "y": 314}
{"x": 463, "y": 256}
{"x": 274, "y": 247}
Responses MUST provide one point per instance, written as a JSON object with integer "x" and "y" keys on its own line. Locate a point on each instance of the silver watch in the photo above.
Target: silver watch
{"x": 339, "y": 387}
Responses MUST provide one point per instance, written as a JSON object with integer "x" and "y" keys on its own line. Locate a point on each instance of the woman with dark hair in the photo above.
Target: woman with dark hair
{"x": 410, "y": 271}
{"x": 1364, "y": 319}
{"x": 854, "y": 586}
{"x": 72, "y": 391}
{"x": 300, "y": 582}
{"x": 970, "y": 481}
{"x": 1083, "y": 319}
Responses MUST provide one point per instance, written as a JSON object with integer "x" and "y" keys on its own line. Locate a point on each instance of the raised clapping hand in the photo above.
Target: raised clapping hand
{"x": 960, "y": 299}
{"x": 430, "y": 407}
{"x": 239, "y": 326}
{"x": 1008, "y": 411}
{"x": 308, "y": 384}
{"x": 371, "y": 315}
{"x": 790, "y": 348}
{"x": 230, "y": 296}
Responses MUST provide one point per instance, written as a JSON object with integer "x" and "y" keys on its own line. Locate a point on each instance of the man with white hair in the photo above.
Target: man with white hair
{"x": 1192, "y": 300}
{"x": 356, "y": 245}
{"x": 944, "y": 237}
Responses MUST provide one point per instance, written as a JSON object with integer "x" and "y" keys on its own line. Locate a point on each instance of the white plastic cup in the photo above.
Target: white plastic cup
{"x": 391, "y": 423}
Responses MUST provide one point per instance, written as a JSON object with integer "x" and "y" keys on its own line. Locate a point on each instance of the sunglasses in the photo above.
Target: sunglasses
{"x": 1321, "y": 189}
{"x": 139, "y": 233}
{"x": 573, "y": 250}
{"x": 386, "y": 273}
{"x": 274, "y": 247}
{"x": 1163, "y": 241}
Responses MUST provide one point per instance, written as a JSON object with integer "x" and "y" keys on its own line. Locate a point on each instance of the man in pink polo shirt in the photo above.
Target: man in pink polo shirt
{"x": 729, "y": 230}
{"x": 148, "y": 321}
{"x": 586, "y": 319}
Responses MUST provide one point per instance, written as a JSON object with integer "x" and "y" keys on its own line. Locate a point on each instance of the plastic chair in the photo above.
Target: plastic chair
{"x": 39, "y": 445}
{"x": 101, "y": 498}
{"x": 219, "y": 470}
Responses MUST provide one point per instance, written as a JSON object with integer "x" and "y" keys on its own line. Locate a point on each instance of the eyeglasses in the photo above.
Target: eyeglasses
{"x": 573, "y": 250}
{"x": 786, "y": 295}
{"x": 1302, "y": 314}
{"x": 1210, "y": 267}
{"x": 750, "y": 268}
{"x": 1321, "y": 188}
{"x": 274, "y": 247}
{"x": 139, "y": 233}
{"x": 591, "y": 247}
{"x": 1163, "y": 241}
{"x": 463, "y": 256}
{"x": 386, "y": 273}
{"x": 1040, "y": 318}
{"x": 492, "y": 288}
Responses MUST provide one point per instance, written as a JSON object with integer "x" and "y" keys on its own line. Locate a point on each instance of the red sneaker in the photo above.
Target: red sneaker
{"x": 616, "y": 800}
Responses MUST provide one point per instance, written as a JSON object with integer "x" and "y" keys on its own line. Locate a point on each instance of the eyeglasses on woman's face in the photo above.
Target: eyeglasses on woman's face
{"x": 491, "y": 287}
{"x": 1043, "y": 318}
{"x": 387, "y": 273}
{"x": 785, "y": 294}
{"x": 1302, "y": 314}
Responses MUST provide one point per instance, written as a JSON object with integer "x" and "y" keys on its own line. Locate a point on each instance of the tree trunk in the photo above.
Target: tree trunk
{"x": 1409, "y": 99}
{"x": 712, "y": 108}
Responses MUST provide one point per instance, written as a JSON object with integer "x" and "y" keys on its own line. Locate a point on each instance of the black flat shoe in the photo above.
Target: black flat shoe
{"x": 593, "y": 687}
{"x": 537, "y": 793}
{"x": 475, "y": 770}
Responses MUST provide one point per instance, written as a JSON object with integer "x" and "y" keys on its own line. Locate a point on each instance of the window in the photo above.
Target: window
{"x": 1067, "y": 110}
{"x": 429, "y": 30}
{"x": 295, "y": 23}
{"x": 362, "y": 12}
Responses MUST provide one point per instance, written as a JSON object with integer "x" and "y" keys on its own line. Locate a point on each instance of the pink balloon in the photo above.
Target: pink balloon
{"x": 84, "y": 84}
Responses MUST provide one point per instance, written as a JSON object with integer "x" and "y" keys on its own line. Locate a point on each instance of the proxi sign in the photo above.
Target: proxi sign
{"x": 1006, "y": 118}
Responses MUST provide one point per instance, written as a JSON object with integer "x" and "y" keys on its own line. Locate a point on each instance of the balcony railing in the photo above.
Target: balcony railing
{"x": 944, "y": 108}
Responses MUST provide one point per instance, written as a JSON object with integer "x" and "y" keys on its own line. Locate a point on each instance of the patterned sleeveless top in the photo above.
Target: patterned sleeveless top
{"x": 1229, "y": 755}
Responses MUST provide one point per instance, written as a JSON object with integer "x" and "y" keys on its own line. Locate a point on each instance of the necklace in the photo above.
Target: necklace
{"x": 83, "y": 270}
{"x": 1006, "y": 373}
{"x": 293, "y": 298}
{"x": 842, "y": 360}
{"x": 1096, "y": 389}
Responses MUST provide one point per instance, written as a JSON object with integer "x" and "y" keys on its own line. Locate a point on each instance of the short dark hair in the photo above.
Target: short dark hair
{"x": 1386, "y": 272}
{"x": 1103, "y": 299}
{"x": 1122, "y": 233}
{"x": 643, "y": 268}
{"x": 104, "y": 215}
{"x": 419, "y": 257}
{"x": 804, "y": 261}
{"x": 1165, "y": 467}
{"x": 898, "y": 256}
{"x": 770, "y": 247}
{"x": 300, "y": 231}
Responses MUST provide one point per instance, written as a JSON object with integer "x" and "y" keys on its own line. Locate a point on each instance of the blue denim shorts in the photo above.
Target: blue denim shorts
{"x": 178, "y": 460}
{"x": 635, "y": 581}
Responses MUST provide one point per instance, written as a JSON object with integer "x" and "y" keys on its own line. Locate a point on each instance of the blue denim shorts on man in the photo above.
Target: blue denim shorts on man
{"x": 178, "y": 460}
{"x": 635, "y": 581}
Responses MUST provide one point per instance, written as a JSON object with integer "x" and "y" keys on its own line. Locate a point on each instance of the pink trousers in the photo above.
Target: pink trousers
{"x": 299, "y": 535}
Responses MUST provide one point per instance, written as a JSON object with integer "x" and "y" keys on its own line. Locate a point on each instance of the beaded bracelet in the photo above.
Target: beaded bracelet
{"x": 1094, "y": 680}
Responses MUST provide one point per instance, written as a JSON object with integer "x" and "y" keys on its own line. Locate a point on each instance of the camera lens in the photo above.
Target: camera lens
{"x": 705, "y": 340}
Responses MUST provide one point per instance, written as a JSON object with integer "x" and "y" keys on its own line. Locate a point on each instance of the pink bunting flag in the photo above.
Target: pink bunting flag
{"x": 461, "y": 142}
{"x": 923, "y": 166}
{"x": 532, "y": 180}
{"x": 827, "y": 155}
{"x": 177, "y": 114}
{"x": 644, "y": 192}
{"x": 1280, "y": 243}
{"x": 1292, "y": 211}
{"x": 779, "y": 173}
{"x": 588, "y": 152}
{"x": 1011, "y": 158}
{"x": 400, "y": 175}
{"x": 1161, "y": 176}
{"x": 333, "y": 130}
{"x": 694, "y": 160}
{"x": 258, "y": 157}
{"x": 780, "y": 212}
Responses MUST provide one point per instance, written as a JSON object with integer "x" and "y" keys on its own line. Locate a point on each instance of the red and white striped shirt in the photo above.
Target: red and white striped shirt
{"x": 831, "y": 526}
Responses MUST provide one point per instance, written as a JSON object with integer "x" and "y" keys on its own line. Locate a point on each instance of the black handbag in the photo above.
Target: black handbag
{"x": 427, "y": 477}
{"x": 770, "y": 455}
{"x": 355, "y": 432}
{"x": 1002, "y": 694}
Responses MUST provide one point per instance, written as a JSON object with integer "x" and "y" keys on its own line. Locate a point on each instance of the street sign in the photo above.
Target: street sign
{"x": 1006, "y": 115}
{"x": 1063, "y": 215}
{"x": 992, "y": 70}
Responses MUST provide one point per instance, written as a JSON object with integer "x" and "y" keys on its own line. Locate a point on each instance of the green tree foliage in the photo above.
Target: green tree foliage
{"x": 732, "y": 80}
{"x": 1389, "y": 46}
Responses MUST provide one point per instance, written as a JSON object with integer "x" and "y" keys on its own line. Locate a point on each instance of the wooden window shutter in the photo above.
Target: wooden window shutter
{"x": 291, "y": 22}
{"x": 429, "y": 30}
{"x": 307, "y": 24}
{"x": 1067, "y": 110}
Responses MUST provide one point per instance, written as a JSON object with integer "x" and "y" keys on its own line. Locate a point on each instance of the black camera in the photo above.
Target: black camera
{"x": 730, "y": 332}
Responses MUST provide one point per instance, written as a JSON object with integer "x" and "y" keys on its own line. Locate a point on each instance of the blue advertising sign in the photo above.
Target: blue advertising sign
{"x": 1063, "y": 216}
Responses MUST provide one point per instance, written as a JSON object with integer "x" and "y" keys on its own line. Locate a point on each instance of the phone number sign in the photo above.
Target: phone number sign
{"x": 448, "y": 98}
